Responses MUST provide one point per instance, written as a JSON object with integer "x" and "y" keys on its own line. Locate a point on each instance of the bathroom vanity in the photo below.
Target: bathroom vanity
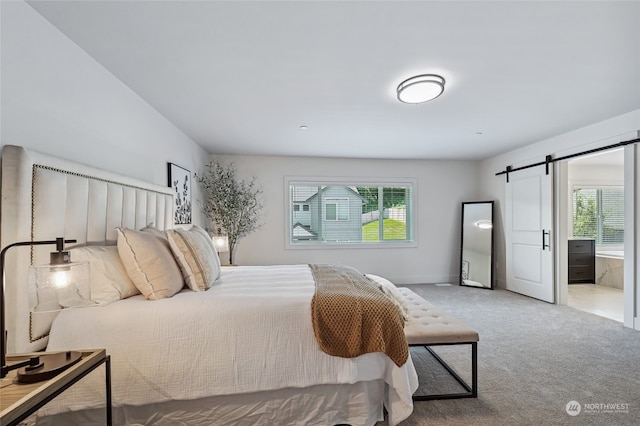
{"x": 582, "y": 261}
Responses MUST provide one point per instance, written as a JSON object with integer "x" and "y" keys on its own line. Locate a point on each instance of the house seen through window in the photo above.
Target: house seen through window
{"x": 322, "y": 213}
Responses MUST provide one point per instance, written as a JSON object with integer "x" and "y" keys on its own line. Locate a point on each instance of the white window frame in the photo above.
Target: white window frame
{"x": 349, "y": 181}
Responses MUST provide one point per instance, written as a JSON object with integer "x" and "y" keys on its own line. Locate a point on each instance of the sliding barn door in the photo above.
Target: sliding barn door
{"x": 528, "y": 233}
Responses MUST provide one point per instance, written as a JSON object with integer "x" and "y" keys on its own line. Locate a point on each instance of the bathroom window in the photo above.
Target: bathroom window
{"x": 598, "y": 213}
{"x": 349, "y": 213}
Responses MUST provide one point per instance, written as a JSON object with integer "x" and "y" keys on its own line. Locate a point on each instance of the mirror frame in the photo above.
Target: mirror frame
{"x": 491, "y": 285}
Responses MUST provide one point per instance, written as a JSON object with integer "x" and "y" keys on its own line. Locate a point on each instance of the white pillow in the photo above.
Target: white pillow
{"x": 388, "y": 288}
{"x": 196, "y": 255}
{"x": 108, "y": 278}
{"x": 155, "y": 231}
{"x": 149, "y": 263}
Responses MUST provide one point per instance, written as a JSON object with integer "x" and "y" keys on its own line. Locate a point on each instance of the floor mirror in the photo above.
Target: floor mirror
{"x": 476, "y": 244}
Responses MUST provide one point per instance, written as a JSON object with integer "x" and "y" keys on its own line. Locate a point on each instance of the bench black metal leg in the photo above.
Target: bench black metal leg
{"x": 471, "y": 391}
{"x": 474, "y": 369}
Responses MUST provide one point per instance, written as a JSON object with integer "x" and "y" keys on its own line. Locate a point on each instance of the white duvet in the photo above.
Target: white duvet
{"x": 250, "y": 332}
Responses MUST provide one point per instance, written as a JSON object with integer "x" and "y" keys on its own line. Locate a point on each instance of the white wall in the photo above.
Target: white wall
{"x": 617, "y": 129}
{"x": 57, "y": 99}
{"x": 595, "y": 175}
{"x": 441, "y": 187}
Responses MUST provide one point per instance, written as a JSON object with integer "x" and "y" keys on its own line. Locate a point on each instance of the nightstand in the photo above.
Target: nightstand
{"x": 19, "y": 400}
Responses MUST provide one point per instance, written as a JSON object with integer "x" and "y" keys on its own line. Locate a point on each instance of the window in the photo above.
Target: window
{"x": 336, "y": 209}
{"x": 338, "y": 212}
{"x": 598, "y": 213}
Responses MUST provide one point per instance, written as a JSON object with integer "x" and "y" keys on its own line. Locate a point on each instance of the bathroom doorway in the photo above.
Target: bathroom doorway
{"x": 595, "y": 222}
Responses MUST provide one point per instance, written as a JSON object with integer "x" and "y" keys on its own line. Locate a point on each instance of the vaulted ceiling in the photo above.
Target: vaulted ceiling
{"x": 242, "y": 77}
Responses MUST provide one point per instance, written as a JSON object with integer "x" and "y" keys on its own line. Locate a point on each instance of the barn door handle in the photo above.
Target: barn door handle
{"x": 545, "y": 234}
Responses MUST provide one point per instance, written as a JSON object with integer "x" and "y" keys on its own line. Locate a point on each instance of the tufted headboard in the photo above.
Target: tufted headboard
{"x": 45, "y": 197}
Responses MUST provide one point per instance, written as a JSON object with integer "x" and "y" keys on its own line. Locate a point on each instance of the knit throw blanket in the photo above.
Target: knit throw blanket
{"x": 352, "y": 316}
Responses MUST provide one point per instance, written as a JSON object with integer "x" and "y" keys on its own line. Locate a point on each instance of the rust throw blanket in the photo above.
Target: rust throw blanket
{"x": 352, "y": 316}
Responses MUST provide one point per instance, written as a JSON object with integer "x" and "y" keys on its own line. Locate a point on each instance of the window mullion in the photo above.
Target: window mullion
{"x": 599, "y": 217}
{"x": 380, "y": 214}
{"x": 320, "y": 214}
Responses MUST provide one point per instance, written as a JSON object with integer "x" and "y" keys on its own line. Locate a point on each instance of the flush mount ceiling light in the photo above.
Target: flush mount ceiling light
{"x": 421, "y": 88}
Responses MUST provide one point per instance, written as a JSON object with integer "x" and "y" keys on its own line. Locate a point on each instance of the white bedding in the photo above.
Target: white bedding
{"x": 250, "y": 332}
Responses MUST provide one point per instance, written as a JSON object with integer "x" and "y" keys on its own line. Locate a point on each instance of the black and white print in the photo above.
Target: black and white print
{"x": 180, "y": 181}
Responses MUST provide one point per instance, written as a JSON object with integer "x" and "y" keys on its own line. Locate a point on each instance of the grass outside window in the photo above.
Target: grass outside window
{"x": 393, "y": 230}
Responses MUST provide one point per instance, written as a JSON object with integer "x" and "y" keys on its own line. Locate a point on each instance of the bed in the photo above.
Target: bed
{"x": 241, "y": 352}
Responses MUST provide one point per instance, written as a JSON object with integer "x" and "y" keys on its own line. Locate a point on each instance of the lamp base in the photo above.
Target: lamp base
{"x": 48, "y": 367}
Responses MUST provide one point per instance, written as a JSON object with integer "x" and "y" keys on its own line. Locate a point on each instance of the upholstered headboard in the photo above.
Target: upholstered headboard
{"x": 44, "y": 197}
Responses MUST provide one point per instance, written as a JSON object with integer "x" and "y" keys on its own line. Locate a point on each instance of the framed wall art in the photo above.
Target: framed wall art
{"x": 180, "y": 181}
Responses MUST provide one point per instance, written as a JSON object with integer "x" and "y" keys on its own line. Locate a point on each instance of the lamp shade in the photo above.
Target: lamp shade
{"x": 221, "y": 243}
{"x": 421, "y": 88}
{"x": 57, "y": 287}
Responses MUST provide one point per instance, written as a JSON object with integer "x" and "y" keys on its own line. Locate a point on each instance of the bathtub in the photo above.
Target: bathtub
{"x": 610, "y": 268}
{"x": 613, "y": 254}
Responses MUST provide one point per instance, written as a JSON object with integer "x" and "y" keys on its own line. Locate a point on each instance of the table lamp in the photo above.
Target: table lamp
{"x": 220, "y": 242}
{"x": 44, "y": 367}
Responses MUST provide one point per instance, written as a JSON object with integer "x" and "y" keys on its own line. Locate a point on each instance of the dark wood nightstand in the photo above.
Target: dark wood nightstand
{"x": 19, "y": 400}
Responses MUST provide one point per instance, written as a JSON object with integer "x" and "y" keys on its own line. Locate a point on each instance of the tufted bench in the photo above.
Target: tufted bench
{"x": 429, "y": 326}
